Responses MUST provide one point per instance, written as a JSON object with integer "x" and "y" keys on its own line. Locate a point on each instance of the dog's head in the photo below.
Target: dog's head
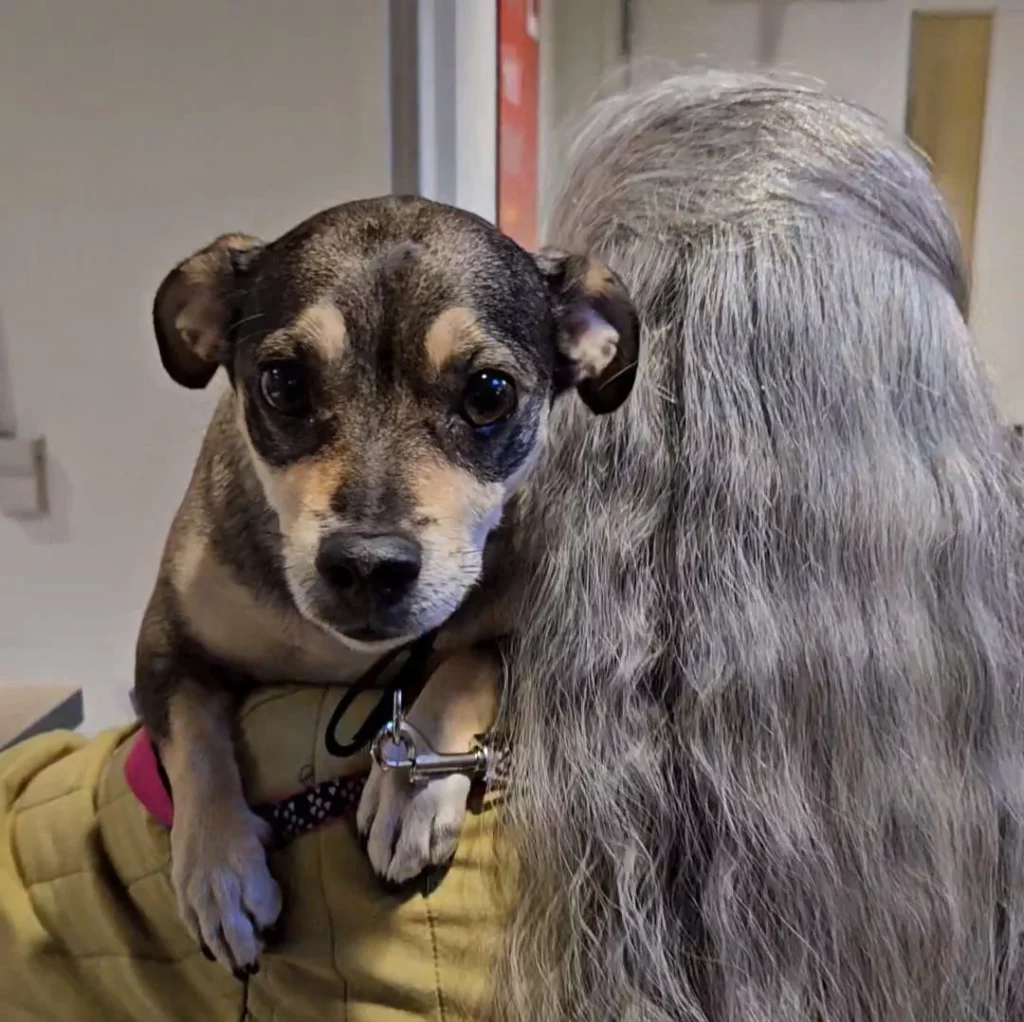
{"x": 393, "y": 363}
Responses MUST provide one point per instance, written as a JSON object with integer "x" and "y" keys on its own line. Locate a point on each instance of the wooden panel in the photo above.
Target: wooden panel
{"x": 27, "y": 710}
{"x": 949, "y": 64}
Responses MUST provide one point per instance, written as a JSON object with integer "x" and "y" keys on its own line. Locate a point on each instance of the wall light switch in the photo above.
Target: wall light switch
{"x": 23, "y": 478}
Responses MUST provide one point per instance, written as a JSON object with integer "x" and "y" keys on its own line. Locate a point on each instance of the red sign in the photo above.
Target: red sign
{"x": 518, "y": 111}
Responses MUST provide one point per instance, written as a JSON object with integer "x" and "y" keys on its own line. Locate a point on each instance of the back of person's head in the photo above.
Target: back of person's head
{"x": 766, "y": 703}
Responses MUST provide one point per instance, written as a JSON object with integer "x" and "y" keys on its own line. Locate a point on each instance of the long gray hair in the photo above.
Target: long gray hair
{"x": 766, "y": 702}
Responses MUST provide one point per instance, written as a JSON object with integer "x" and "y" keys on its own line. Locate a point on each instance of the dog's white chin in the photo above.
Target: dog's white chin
{"x": 307, "y": 610}
{"x": 377, "y": 647}
{"x": 425, "y": 618}
{"x": 426, "y": 621}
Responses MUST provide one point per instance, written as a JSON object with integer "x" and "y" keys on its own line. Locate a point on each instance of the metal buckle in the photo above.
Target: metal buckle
{"x": 400, "y": 746}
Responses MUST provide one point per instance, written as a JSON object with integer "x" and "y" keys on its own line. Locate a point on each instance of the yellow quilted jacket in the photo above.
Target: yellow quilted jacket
{"x": 89, "y": 931}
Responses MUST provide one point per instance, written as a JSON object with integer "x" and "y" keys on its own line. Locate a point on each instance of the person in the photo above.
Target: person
{"x": 766, "y": 702}
{"x": 767, "y": 754}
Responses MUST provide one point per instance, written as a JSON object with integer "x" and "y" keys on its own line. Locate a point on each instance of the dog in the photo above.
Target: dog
{"x": 392, "y": 365}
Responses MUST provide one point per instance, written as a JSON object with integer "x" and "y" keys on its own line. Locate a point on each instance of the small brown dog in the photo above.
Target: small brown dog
{"x": 392, "y": 365}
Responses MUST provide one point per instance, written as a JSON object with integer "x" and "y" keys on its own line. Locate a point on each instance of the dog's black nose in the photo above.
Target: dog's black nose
{"x": 385, "y": 566}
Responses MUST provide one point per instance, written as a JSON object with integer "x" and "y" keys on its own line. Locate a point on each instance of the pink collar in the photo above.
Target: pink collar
{"x": 290, "y": 817}
{"x": 304, "y": 811}
{"x": 143, "y": 774}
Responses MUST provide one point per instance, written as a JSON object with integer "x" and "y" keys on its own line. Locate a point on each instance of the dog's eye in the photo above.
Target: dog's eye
{"x": 489, "y": 397}
{"x": 284, "y": 387}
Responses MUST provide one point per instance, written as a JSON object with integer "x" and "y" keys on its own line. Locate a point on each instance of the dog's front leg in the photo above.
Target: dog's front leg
{"x": 410, "y": 827}
{"x": 226, "y": 895}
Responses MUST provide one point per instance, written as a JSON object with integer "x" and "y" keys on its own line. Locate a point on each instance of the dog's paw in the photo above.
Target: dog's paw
{"x": 226, "y": 895}
{"x": 408, "y": 827}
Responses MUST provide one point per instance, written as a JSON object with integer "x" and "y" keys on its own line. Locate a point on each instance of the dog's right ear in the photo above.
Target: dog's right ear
{"x": 598, "y": 328}
{"x": 195, "y": 305}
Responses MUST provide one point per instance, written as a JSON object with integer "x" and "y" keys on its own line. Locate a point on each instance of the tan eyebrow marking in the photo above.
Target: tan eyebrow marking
{"x": 324, "y": 325}
{"x": 454, "y": 332}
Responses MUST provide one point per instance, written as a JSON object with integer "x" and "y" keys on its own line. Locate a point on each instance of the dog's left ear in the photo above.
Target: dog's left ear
{"x": 598, "y": 329}
{"x": 195, "y": 305}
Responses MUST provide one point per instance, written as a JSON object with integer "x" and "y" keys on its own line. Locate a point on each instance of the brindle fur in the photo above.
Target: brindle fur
{"x": 389, "y": 304}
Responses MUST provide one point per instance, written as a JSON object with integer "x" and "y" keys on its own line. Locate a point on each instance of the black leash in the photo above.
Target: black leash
{"x": 410, "y": 681}
{"x": 243, "y": 1011}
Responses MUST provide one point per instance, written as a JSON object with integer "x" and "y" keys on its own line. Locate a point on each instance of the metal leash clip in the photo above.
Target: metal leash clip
{"x": 400, "y": 746}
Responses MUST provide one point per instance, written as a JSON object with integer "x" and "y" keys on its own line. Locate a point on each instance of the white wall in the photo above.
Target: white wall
{"x": 580, "y": 53}
{"x": 476, "y": 107}
{"x": 458, "y": 103}
{"x": 861, "y": 49}
{"x": 131, "y": 133}
{"x": 858, "y": 47}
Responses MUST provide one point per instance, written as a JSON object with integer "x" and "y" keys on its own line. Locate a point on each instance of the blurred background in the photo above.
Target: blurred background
{"x": 131, "y": 134}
